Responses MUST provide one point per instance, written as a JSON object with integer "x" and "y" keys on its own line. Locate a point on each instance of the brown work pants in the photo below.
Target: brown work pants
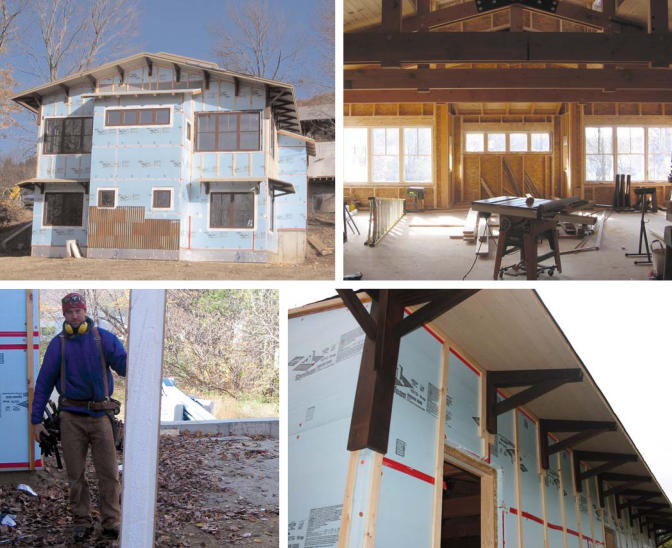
{"x": 78, "y": 431}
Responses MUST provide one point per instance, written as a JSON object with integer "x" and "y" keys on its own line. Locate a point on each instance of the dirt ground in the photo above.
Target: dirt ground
{"x": 15, "y": 264}
{"x": 212, "y": 491}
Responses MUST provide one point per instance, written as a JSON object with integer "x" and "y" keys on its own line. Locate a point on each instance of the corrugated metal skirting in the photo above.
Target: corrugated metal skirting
{"x": 127, "y": 228}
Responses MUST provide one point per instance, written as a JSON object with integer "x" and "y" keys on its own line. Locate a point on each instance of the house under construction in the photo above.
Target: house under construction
{"x": 407, "y": 427}
{"x": 448, "y": 102}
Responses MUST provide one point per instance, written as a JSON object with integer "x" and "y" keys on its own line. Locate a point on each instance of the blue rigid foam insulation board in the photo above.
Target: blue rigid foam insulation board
{"x": 554, "y": 503}
{"x": 462, "y": 406}
{"x": 324, "y": 356}
{"x": 530, "y": 482}
{"x": 572, "y": 522}
{"x": 586, "y": 513}
{"x": 14, "y": 419}
{"x": 412, "y": 444}
{"x": 503, "y": 458}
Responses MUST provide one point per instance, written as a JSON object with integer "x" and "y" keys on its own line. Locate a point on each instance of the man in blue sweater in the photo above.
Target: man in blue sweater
{"x": 84, "y": 382}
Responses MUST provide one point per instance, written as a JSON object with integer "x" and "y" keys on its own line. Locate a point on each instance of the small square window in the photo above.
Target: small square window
{"x": 146, "y": 116}
{"x": 474, "y": 142}
{"x": 541, "y": 142}
{"x": 106, "y": 198}
{"x": 161, "y": 199}
{"x": 518, "y": 142}
{"x": 129, "y": 117}
{"x": 496, "y": 142}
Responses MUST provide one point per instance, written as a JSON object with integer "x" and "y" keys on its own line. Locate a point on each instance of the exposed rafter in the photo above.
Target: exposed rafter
{"x": 610, "y": 460}
{"x": 178, "y": 72}
{"x": 150, "y": 65}
{"x": 92, "y": 80}
{"x": 121, "y": 73}
{"x": 585, "y": 430}
{"x": 539, "y": 381}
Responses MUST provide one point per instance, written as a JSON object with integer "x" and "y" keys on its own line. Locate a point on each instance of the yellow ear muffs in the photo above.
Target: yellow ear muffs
{"x": 83, "y": 328}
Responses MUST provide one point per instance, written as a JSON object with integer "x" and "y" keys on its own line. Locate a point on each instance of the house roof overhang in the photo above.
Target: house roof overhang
{"x": 281, "y": 94}
{"x": 41, "y": 182}
{"x": 310, "y": 143}
{"x": 508, "y": 331}
{"x": 280, "y": 188}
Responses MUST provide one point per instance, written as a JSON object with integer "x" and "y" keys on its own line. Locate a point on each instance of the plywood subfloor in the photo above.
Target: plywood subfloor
{"x": 428, "y": 253}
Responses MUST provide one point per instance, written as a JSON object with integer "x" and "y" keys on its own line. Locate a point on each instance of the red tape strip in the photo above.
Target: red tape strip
{"x": 407, "y": 470}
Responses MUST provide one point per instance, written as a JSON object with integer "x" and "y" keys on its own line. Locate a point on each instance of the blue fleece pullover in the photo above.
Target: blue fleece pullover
{"x": 83, "y": 371}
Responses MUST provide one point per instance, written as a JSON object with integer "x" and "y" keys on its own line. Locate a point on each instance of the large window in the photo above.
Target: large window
{"x": 660, "y": 152}
{"x": 388, "y": 155}
{"x": 227, "y": 131}
{"x": 63, "y": 209}
{"x": 644, "y": 153}
{"x": 231, "y": 210}
{"x": 599, "y": 154}
{"x": 67, "y": 135}
{"x": 137, "y": 117}
{"x": 507, "y": 141}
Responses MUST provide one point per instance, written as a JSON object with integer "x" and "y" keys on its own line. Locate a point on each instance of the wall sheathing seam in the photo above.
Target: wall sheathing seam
{"x": 440, "y": 439}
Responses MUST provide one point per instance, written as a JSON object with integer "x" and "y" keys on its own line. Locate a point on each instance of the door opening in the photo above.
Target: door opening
{"x": 461, "y": 508}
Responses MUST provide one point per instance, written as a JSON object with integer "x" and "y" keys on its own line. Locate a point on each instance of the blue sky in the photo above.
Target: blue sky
{"x": 180, "y": 27}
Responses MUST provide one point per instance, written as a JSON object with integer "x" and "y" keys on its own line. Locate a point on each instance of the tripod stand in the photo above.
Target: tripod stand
{"x": 642, "y": 193}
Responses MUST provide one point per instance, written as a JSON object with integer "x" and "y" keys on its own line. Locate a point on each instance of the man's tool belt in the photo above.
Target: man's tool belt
{"x": 105, "y": 405}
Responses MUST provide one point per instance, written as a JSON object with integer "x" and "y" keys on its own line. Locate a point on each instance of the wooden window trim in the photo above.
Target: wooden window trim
{"x": 232, "y": 211}
{"x": 508, "y": 150}
{"x": 82, "y": 135}
{"x": 45, "y": 209}
{"x": 124, "y": 111}
{"x": 218, "y": 116}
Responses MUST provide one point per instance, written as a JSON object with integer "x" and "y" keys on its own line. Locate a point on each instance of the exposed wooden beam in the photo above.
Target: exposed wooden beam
{"x": 615, "y": 476}
{"x": 540, "y": 381}
{"x": 372, "y": 409}
{"x": 492, "y": 47}
{"x": 657, "y": 16}
{"x": 608, "y": 8}
{"x": 359, "y": 312}
{"x": 122, "y": 74}
{"x": 178, "y": 72}
{"x": 236, "y": 86}
{"x": 557, "y": 78}
{"x": 620, "y": 488}
{"x": 150, "y": 66}
{"x": 638, "y": 501}
{"x": 610, "y": 460}
{"x": 206, "y": 79}
{"x": 391, "y": 15}
{"x": 92, "y": 80}
{"x": 585, "y": 430}
{"x": 433, "y": 309}
{"x": 66, "y": 89}
{"x": 507, "y": 96}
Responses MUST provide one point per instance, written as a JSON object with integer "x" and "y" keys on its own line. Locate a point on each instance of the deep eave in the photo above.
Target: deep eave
{"x": 281, "y": 94}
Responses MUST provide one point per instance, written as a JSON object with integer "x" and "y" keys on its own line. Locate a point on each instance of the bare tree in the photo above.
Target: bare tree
{"x": 73, "y": 34}
{"x": 9, "y": 11}
{"x": 8, "y": 14}
{"x": 255, "y": 40}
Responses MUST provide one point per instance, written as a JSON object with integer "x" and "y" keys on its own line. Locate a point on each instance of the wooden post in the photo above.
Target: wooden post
{"x": 30, "y": 368}
{"x": 657, "y": 17}
{"x": 143, "y": 398}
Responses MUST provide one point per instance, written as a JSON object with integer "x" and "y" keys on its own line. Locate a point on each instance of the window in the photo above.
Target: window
{"x": 630, "y": 147}
{"x": 660, "y": 152}
{"x": 385, "y": 156}
{"x": 540, "y": 142}
{"x": 599, "y": 154}
{"x": 63, "y": 209}
{"x": 231, "y": 210}
{"x": 356, "y": 151}
{"x": 496, "y": 142}
{"x": 518, "y": 142}
{"x": 227, "y": 131}
{"x": 67, "y": 135}
{"x": 474, "y": 142}
{"x": 107, "y": 197}
{"x": 162, "y": 198}
{"x": 417, "y": 154}
{"x": 137, "y": 117}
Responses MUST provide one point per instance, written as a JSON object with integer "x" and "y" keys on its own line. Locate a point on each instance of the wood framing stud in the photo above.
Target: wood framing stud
{"x": 585, "y": 430}
{"x": 539, "y": 381}
{"x": 610, "y": 460}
